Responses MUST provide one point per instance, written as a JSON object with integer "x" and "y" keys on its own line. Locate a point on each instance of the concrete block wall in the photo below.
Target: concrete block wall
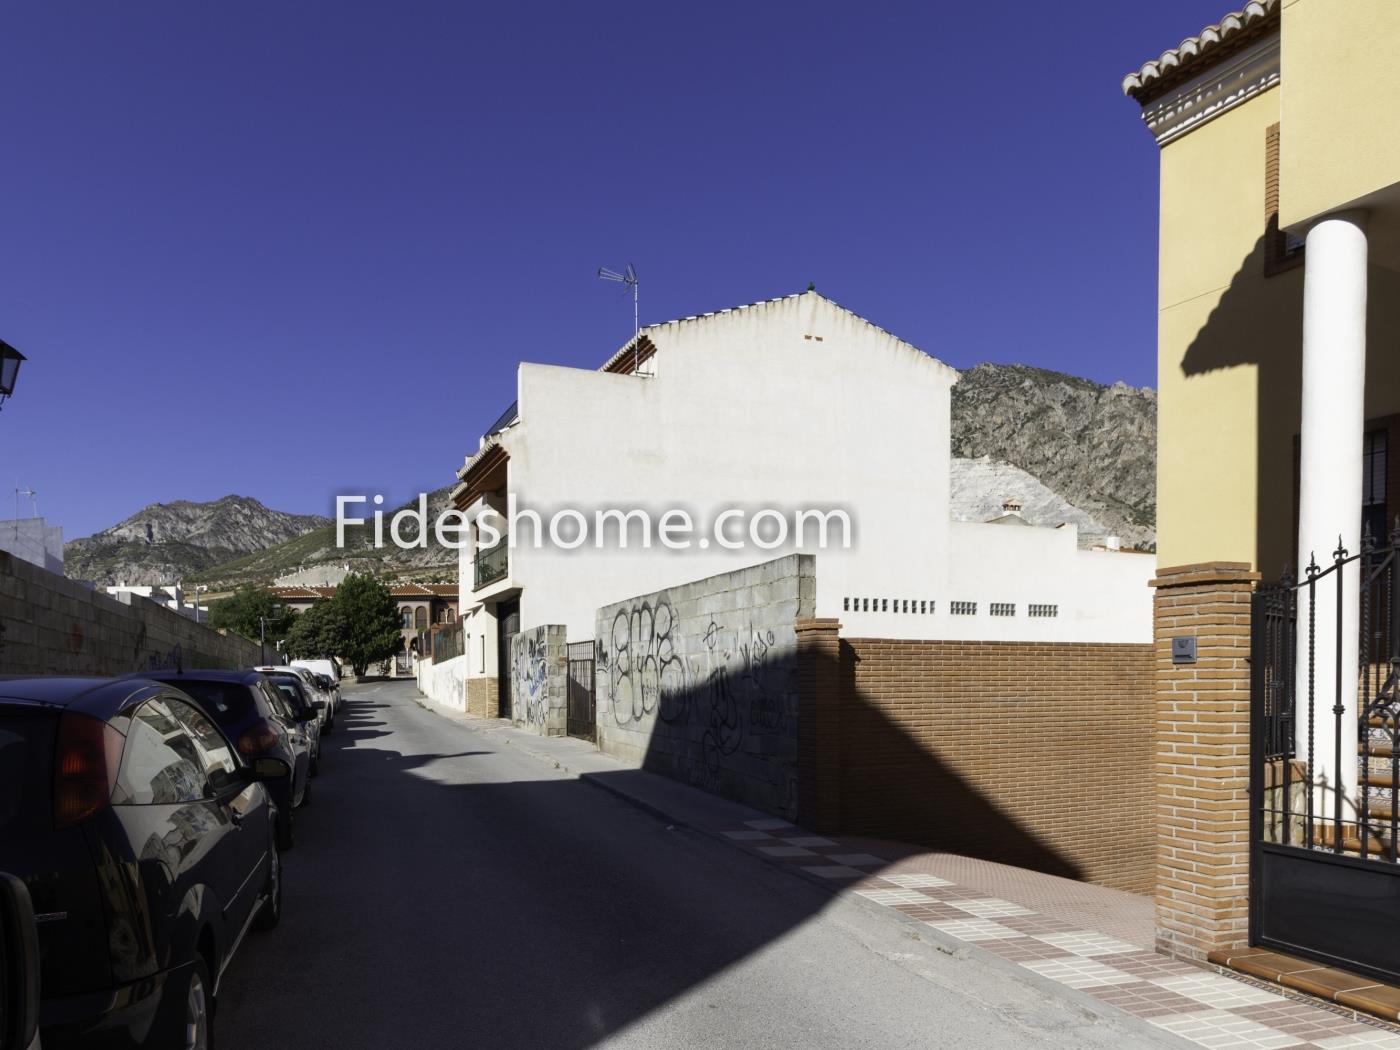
{"x": 53, "y": 625}
{"x": 539, "y": 667}
{"x": 699, "y": 682}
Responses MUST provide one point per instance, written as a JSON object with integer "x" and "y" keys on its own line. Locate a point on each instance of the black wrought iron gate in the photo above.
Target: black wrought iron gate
{"x": 1325, "y": 863}
{"x": 582, "y": 720}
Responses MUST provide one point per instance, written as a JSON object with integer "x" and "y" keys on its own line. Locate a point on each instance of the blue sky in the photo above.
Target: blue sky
{"x": 286, "y": 248}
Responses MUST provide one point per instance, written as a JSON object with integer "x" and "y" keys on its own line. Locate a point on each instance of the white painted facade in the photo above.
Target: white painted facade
{"x": 34, "y": 540}
{"x": 171, "y": 597}
{"x": 793, "y": 403}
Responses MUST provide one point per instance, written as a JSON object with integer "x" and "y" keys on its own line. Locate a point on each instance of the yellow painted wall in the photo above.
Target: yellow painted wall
{"x": 1230, "y": 350}
{"x": 1341, "y": 100}
{"x": 1228, "y": 339}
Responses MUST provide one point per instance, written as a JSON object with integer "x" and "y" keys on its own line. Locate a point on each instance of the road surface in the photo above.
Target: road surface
{"x": 449, "y": 891}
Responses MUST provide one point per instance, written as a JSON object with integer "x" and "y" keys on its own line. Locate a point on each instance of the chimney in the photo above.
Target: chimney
{"x": 1011, "y": 506}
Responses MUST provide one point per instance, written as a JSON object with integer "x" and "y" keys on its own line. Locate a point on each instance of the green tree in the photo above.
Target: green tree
{"x": 318, "y": 632}
{"x": 246, "y": 609}
{"x": 368, "y": 622}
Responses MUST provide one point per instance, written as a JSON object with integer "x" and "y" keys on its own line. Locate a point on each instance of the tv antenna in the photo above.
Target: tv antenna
{"x": 33, "y": 501}
{"x": 627, "y": 280}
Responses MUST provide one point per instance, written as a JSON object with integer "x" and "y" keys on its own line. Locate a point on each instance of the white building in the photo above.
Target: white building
{"x": 34, "y": 540}
{"x": 171, "y": 596}
{"x": 791, "y": 404}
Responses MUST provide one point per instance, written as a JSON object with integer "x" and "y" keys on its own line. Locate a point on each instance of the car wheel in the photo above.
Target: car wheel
{"x": 270, "y": 914}
{"x": 199, "y": 1008}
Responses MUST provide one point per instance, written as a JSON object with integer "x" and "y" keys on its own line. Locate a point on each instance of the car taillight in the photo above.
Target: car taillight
{"x": 89, "y": 753}
{"x": 257, "y": 739}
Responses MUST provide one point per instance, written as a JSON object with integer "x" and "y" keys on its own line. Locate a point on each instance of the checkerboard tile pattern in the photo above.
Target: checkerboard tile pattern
{"x": 1072, "y": 944}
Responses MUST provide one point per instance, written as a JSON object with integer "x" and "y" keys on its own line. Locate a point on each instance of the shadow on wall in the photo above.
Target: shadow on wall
{"x": 1024, "y": 776}
{"x": 1258, "y": 322}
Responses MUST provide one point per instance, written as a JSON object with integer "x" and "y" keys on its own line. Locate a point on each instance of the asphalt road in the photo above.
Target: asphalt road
{"x": 447, "y": 891}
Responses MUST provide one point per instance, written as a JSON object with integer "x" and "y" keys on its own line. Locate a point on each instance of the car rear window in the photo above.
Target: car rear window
{"x": 292, "y": 693}
{"x": 26, "y": 749}
{"x": 227, "y": 702}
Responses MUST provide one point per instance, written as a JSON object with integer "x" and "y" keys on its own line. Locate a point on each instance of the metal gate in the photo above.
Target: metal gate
{"x": 582, "y": 718}
{"x": 1325, "y": 868}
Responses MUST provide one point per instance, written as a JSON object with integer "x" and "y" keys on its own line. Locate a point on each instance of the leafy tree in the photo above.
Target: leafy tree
{"x": 244, "y": 611}
{"x": 316, "y": 633}
{"x": 368, "y": 622}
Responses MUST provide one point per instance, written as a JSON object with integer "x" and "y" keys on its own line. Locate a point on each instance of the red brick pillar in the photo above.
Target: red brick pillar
{"x": 1202, "y": 763}
{"x": 820, "y": 692}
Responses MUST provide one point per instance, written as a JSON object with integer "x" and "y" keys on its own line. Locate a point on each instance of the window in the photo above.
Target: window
{"x": 406, "y": 618}
{"x": 964, "y": 609}
{"x": 172, "y": 755}
{"x": 1003, "y": 609}
{"x": 420, "y": 617}
{"x": 1373, "y": 514}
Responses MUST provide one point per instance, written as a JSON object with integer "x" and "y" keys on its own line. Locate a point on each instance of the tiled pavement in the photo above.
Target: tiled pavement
{"x": 1089, "y": 938}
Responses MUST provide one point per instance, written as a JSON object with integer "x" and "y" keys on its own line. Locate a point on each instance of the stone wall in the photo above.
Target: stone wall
{"x": 53, "y": 625}
{"x": 698, "y": 681}
{"x": 539, "y": 665}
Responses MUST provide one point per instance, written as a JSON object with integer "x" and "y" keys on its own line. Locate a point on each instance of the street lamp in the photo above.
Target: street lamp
{"x": 10, "y": 359}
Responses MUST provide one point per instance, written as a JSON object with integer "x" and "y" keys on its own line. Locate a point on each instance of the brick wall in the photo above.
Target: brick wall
{"x": 53, "y": 625}
{"x": 484, "y": 697}
{"x": 1202, "y": 759}
{"x": 1034, "y": 754}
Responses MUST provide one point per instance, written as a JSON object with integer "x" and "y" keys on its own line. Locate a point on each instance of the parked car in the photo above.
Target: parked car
{"x": 328, "y": 666}
{"x": 313, "y": 691}
{"x": 252, "y": 713}
{"x": 305, "y": 709}
{"x": 19, "y": 967}
{"x": 332, "y": 690}
{"x": 148, "y": 847}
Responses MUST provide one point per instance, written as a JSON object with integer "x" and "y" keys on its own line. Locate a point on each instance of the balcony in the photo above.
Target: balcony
{"x": 492, "y": 563}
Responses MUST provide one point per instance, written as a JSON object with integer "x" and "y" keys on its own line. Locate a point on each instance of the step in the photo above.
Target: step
{"x": 1351, "y": 841}
{"x": 1372, "y": 779}
{"x": 1328, "y": 983}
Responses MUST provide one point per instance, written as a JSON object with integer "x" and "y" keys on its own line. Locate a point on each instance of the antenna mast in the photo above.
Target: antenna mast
{"x": 628, "y": 279}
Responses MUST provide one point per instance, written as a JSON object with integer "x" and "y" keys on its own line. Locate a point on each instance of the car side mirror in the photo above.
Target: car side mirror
{"x": 309, "y": 715}
{"x": 269, "y": 769}
{"x": 19, "y": 963}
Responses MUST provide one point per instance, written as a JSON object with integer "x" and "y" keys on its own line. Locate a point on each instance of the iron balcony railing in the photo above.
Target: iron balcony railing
{"x": 492, "y": 563}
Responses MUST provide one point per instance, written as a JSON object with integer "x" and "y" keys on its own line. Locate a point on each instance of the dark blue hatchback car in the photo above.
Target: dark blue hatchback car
{"x": 253, "y": 714}
{"x": 148, "y": 848}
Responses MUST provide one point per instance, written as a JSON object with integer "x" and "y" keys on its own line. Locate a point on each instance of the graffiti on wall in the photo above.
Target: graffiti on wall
{"x": 719, "y": 689}
{"x": 530, "y": 678}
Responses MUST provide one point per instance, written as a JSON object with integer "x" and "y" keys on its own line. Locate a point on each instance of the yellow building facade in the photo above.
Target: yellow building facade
{"x": 1278, "y": 360}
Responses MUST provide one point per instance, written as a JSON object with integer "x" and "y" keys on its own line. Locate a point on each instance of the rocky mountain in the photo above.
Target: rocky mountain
{"x": 1095, "y": 446}
{"x": 317, "y": 547}
{"x": 165, "y": 542}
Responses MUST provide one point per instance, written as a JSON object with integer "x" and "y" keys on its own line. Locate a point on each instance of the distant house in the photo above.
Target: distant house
{"x": 420, "y": 606}
{"x": 792, "y": 403}
{"x": 35, "y": 541}
{"x": 172, "y": 596}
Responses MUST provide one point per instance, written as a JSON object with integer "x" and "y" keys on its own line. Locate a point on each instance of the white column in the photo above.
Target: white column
{"x": 1334, "y": 383}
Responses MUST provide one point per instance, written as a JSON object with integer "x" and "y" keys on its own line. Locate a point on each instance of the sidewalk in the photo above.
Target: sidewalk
{"x": 1094, "y": 940}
